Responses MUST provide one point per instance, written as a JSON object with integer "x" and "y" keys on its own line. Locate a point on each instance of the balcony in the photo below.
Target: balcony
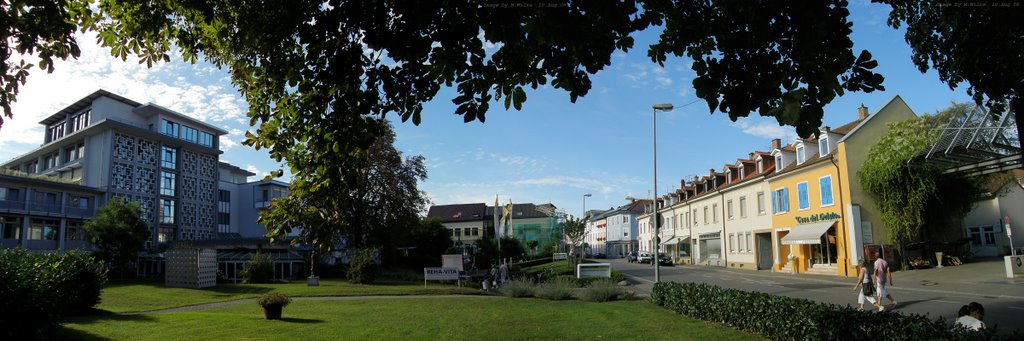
{"x": 46, "y": 209}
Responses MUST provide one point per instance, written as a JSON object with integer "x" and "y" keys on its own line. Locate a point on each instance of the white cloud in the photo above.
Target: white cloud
{"x": 567, "y": 181}
{"x": 766, "y": 129}
{"x": 643, "y": 75}
{"x": 259, "y": 174}
{"x": 206, "y": 96}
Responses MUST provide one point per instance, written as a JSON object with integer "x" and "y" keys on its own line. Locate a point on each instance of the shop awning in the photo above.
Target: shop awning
{"x": 670, "y": 241}
{"x": 807, "y": 233}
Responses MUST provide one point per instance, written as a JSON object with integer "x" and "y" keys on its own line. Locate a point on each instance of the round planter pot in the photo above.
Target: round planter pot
{"x": 272, "y": 312}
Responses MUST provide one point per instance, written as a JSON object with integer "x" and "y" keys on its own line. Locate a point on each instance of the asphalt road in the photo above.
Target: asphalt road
{"x": 1003, "y": 308}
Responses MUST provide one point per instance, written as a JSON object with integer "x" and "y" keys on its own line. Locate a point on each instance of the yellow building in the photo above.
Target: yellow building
{"x": 820, "y": 214}
{"x": 806, "y": 215}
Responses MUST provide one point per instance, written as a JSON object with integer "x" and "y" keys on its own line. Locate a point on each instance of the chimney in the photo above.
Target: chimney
{"x": 776, "y": 144}
{"x": 682, "y": 183}
{"x": 863, "y": 111}
{"x": 750, "y": 156}
{"x": 828, "y": 129}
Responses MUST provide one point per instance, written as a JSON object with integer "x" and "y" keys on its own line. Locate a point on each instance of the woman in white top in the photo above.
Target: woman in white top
{"x": 972, "y": 321}
{"x": 863, "y": 281}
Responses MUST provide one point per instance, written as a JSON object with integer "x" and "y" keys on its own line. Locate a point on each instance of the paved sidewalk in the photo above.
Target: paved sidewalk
{"x": 985, "y": 277}
{"x": 933, "y": 292}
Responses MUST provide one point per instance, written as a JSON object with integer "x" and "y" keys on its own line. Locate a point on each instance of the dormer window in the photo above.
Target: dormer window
{"x": 800, "y": 154}
{"x": 778, "y": 163}
{"x": 823, "y": 145}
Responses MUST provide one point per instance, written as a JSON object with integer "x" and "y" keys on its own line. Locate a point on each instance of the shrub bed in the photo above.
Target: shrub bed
{"x": 785, "y": 318}
{"x": 518, "y": 288}
{"x": 602, "y": 290}
{"x": 558, "y": 289}
{"x": 37, "y": 289}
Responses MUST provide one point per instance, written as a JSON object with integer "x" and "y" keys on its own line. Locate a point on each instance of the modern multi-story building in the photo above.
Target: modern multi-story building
{"x": 144, "y": 153}
{"x": 105, "y": 146}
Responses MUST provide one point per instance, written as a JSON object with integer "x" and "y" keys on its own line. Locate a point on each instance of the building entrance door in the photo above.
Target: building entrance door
{"x": 764, "y": 251}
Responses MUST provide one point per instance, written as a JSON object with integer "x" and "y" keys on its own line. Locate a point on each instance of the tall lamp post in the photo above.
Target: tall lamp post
{"x": 666, "y": 107}
{"x": 585, "y": 196}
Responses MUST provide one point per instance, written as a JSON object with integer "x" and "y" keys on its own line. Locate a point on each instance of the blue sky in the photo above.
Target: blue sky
{"x": 550, "y": 151}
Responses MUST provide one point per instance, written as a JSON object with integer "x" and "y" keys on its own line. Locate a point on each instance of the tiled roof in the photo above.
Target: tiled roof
{"x": 846, "y": 128}
{"x": 458, "y": 212}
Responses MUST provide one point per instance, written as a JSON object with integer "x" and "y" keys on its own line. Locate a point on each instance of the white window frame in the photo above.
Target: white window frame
{"x": 750, "y": 248}
{"x": 714, "y": 212}
{"x": 779, "y": 200}
{"x": 728, "y": 209}
{"x": 800, "y": 157}
{"x": 740, "y": 247}
{"x": 732, "y": 243}
{"x": 743, "y": 207}
{"x": 778, "y": 163}
{"x": 823, "y": 145}
{"x": 761, "y": 208}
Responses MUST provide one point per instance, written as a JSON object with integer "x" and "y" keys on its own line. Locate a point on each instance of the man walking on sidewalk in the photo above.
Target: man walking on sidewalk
{"x": 882, "y": 277}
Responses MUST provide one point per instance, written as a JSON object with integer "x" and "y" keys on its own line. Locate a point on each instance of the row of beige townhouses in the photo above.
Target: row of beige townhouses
{"x": 801, "y": 201}
{"x": 105, "y": 146}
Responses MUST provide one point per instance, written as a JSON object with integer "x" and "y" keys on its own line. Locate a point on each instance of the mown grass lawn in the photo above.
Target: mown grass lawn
{"x": 411, "y": 318}
{"x": 136, "y": 296}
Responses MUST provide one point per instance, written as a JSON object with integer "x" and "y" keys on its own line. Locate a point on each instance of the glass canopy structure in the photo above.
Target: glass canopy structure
{"x": 975, "y": 143}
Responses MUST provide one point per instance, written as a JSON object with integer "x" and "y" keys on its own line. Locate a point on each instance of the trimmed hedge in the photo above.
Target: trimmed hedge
{"x": 785, "y": 318}
{"x": 37, "y": 289}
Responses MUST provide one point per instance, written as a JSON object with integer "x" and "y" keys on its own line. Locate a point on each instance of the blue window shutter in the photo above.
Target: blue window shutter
{"x": 785, "y": 199}
{"x": 802, "y": 198}
{"x": 775, "y": 209}
{"x": 826, "y": 191}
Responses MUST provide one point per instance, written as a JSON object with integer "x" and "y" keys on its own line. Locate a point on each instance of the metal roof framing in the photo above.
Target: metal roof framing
{"x": 975, "y": 143}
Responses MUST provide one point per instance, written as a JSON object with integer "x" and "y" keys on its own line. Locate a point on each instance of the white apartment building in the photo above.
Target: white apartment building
{"x": 106, "y": 146}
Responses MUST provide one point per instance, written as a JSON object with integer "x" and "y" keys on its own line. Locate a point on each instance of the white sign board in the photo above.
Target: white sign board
{"x": 585, "y": 270}
{"x": 1014, "y": 266}
{"x": 452, "y": 261}
{"x": 440, "y": 274}
{"x": 559, "y": 256}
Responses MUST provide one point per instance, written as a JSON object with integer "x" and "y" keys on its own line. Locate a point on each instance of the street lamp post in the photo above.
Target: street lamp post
{"x": 666, "y": 107}
{"x": 585, "y": 196}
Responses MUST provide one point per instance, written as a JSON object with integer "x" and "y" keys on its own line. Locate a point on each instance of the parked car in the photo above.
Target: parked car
{"x": 644, "y": 257}
{"x": 631, "y": 257}
{"x": 663, "y": 259}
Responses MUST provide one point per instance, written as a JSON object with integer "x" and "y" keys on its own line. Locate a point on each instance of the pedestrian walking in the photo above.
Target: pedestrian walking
{"x": 972, "y": 320}
{"x": 503, "y": 272}
{"x": 883, "y": 278}
{"x": 864, "y": 283}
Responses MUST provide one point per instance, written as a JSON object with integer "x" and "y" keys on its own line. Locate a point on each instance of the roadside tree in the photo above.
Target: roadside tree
{"x": 575, "y": 232}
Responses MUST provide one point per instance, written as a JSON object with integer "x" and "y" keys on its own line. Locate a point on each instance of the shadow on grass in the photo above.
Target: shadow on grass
{"x": 94, "y": 315}
{"x": 225, "y": 289}
{"x": 298, "y": 320}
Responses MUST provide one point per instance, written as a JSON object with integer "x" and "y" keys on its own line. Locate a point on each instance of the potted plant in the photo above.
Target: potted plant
{"x": 272, "y": 303}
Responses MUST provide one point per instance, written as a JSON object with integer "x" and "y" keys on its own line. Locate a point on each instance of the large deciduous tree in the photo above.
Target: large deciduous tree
{"x": 980, "y": 43}
{"x": 119, "y": 232}
{"x": 383, "y": 197}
